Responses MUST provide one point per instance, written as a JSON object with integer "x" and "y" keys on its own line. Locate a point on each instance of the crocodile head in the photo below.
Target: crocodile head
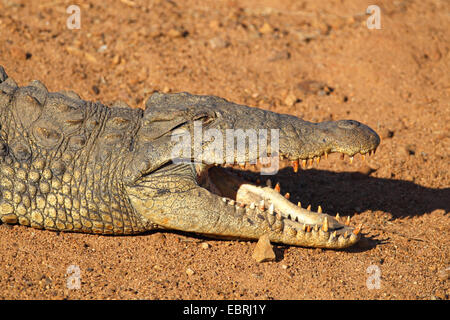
{"x": 71, "y": 165}
{"x": 191, "y": 184}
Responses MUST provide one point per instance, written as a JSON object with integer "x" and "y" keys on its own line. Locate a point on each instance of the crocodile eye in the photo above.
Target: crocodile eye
{"x": 204, "y": 118}
{"x": 348, "y": 124}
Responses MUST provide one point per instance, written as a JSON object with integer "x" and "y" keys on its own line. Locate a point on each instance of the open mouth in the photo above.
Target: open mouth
{"x": 240, "y": 185}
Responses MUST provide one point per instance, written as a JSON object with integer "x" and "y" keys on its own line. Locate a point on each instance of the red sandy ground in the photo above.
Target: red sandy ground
{"x": 264, "y": 54}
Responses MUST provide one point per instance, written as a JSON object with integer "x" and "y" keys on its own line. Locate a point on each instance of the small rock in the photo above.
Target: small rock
{"x": 159, "y": 236}
{"x": 89, "y": 57}
{"x": 410, "y": 149}
{"x": 95, "y": 89}
{"x": 173, "y": 33}
{"x": 306, "y": 36}
{"x": 102, "y": 48}
{"x": 218, "y": 43}
{"x": 314, "y": 87}
{"x": 444, "y": 274}
{"x": 214, "y": 24}
{"x": 263, "y": 251}
{"x": 116, "y": 59}
{"x": 280, "y": 55}
{"x": 157, "y": 267}
{"x": 386, "y": 133}
{"x": 266, "y": 28}
{"x": 189, "y": 272}
{"x": 206, "y": 245}
{"x": 290, "y": 99}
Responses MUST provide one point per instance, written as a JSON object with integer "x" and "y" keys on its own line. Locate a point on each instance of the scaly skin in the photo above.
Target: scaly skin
{"x": 71, "y": 165}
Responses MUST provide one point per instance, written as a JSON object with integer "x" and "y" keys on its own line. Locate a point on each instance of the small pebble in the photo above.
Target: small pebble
{"x": 263, "y": 250}
{"x": 206, "y": 245}
{"x": 266, "y": 28}
{"x": 189, "y": 272}
{"x": 290, "y": 99}
{"x": 95, "y": 89}
{"x": 102, "y": 48}
{"x": 444, "y": 274}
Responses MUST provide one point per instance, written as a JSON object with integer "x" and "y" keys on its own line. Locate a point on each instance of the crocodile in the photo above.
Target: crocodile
{"x": 67, "y": 164}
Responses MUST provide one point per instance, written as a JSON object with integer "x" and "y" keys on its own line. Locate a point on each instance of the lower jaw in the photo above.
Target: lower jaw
{"x": 228, "y": 184}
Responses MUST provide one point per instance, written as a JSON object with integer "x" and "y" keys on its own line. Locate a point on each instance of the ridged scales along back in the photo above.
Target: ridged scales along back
{"x": 62, "y": 160}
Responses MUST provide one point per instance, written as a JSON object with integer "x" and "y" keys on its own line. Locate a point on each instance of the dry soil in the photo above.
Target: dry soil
{"x": 314, "y": 59}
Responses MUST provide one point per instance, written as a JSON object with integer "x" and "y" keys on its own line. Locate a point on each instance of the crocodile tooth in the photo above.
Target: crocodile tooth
{"x": 353, "y": 237}
{"x": 224, "y": 199}
{"x": 308, "y": 228}
{"x": 271, "y": 209}
{"x": 326, "y": 155}
{"x": 252, "y": 205}
{"x": 303, "y": 164}
{"x": 319, "y": 209}
{"x": 303, "y": 227}
{"x": 357, "y": 230}
{"x": 363, "y": 157}
{"x": 261, "y": 205}
{"x": 287, "y": 195}
{"x": 269, "y": 183}
{"x": 308, "y": 208}
{"x": 316, "y": 228}
{"x": 351, "y": 159}
{"x": 310, "y": 163}
{"x": 231, "y": 203}
{"x": 337, "y": 216}
{"x": 299, "y": 204}
{"x": 277, "y": 187}
{"x": 271, "y": 219}
{"x": 347, "y": 222}
{"x": 317, "y": 160}
{"x": 325, "y": 224}
{"x": 295, "y": 165}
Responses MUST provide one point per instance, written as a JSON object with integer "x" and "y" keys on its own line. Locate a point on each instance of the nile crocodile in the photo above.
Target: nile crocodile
{"x": 72, "y": 165}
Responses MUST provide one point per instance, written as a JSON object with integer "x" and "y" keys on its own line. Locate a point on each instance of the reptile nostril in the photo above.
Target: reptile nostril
{"x": 347, "y": 124}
